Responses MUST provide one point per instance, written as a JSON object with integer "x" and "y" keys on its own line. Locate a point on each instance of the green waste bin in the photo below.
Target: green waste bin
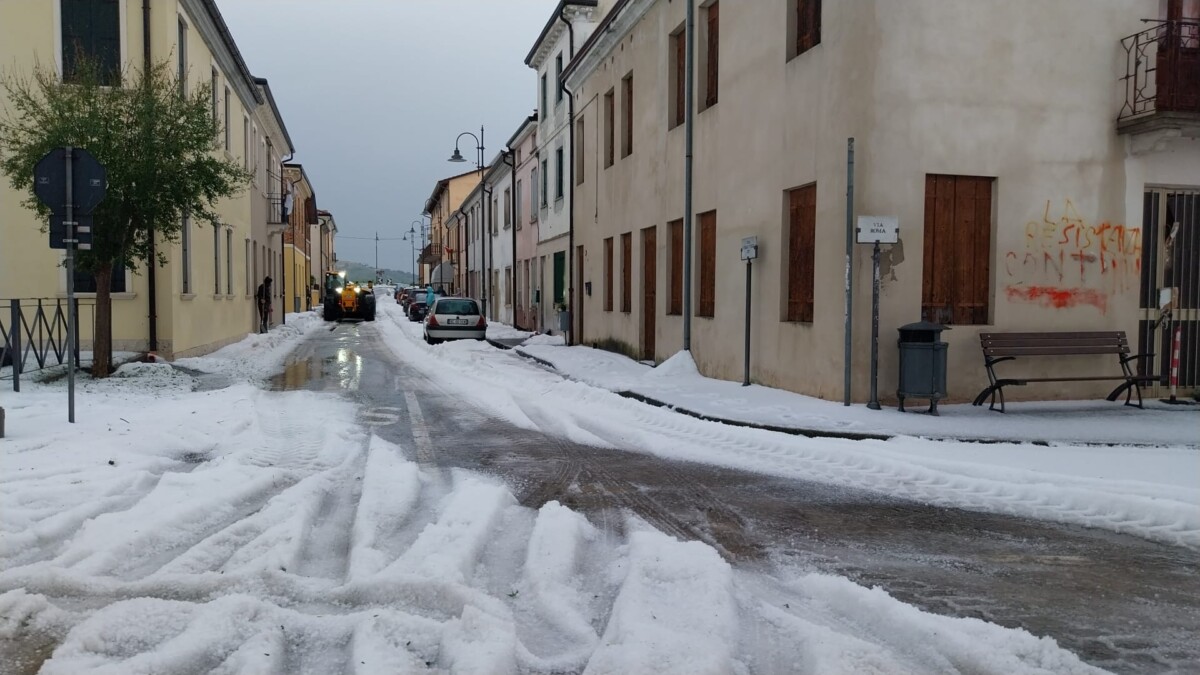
{"x": 922, "y": 363}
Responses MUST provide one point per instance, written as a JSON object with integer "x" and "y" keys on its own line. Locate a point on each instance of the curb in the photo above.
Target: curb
{"x": 827, "y": 433}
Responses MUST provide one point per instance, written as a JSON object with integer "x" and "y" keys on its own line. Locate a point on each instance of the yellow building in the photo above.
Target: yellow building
{"x": 204, "y": 296}
{"x": 299, "y": 274}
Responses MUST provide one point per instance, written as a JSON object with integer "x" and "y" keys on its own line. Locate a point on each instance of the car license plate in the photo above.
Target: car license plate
{"x": 457, "y": 322}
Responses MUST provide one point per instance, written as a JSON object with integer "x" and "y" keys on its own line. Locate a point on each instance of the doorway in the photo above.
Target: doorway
{"x": 1171, "y": 259}
{"x": 649, "y": 291}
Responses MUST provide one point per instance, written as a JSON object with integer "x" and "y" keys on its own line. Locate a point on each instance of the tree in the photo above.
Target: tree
{"x": 158, "y": 145}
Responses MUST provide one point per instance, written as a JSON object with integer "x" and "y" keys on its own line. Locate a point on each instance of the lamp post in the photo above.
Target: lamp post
{"x": 457, "y": 157}
{"x": 411, "y": 237}
{"x": 418, "y": 226}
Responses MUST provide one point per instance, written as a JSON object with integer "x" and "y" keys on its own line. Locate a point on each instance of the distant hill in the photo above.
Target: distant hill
{"x": 360, "y": 272}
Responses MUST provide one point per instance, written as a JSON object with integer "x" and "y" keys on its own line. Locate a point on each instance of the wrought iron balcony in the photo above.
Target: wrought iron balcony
{"x": 1162, "y": 76}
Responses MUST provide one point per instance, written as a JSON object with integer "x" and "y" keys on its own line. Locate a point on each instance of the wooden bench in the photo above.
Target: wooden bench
{"x": 1000, "y": 347}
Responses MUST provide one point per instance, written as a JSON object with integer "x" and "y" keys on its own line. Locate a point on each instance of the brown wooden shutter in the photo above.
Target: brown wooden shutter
{"x": 610, "y": 112}
{"x": 808, "y": 25}
{"x": 802, "y": 229}
{"x": 676, "y": 304}
{"x": 627, "y": 272}
{"x": 680, "y": 77}
{"x": 714, "y": 38}
{"x": 608, "y": 274}
{"x": 708, "y": 264}
{"x": 627, "y": 114}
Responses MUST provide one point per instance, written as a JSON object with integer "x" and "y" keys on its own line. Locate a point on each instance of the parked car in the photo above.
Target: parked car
{"x": 455, "y": 319}
{"x": 416, "y": 310}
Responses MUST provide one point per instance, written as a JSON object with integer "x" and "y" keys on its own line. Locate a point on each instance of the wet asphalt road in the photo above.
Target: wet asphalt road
{"x": 1119, "y": 602}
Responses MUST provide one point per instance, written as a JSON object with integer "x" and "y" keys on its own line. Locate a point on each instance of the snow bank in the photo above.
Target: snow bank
{"x": 259, "y": 355}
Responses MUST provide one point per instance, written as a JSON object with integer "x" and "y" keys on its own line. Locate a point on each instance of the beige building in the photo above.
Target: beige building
{"x": 1033, "y": 188}
{"x": 300, "y": 214}
{"x": 204, "y": 295}
{"x": 445, "y": 238}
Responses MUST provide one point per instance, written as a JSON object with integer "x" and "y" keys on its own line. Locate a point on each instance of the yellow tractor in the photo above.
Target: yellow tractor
{"x": 347, "y": 299}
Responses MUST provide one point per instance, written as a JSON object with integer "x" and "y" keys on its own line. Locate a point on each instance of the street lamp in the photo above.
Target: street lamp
{"x": 457, "y": 157}
{"x": 411, "y": 238}
{"x": 418, "y": 226}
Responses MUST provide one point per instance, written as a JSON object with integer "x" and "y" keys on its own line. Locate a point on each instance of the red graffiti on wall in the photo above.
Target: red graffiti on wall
{"x": 1058, "y": 298}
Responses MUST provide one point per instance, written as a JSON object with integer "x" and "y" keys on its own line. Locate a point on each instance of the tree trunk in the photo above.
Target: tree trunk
{"x": 102, "y": 340}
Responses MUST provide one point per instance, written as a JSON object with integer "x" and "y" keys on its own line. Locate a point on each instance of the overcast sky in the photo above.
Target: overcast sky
{"x": 373, "y": 93}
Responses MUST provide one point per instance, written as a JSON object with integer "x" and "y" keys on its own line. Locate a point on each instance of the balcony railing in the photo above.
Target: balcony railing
{"x": 1162, "y": 70}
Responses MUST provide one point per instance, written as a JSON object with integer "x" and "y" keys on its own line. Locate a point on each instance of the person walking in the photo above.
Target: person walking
{"x": 263, "y": 298}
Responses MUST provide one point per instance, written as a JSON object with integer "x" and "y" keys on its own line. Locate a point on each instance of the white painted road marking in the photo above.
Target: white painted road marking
{"x": 381, "y": 417}
{"x": 419, "y": 431}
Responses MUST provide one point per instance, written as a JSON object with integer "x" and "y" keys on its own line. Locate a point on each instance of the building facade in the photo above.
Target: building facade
{"x": 300, "y": 213}
{"x": 992, "y": 137}
{"x": 446, "y": 227}
{"x": 523, "y": 146}
{"x": 205, "y": 292}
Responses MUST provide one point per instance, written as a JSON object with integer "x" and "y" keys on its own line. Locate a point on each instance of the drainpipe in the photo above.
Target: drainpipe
{"x": 152, "y": 294}
{"x": 512, "y": 214}
{"x": 571, "y": 303}
{"x": 689, "y": 112}
{"x": 283, "y": 258}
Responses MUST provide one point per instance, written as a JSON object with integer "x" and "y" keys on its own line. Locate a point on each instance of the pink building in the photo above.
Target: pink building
{"x": 523, "y": 145}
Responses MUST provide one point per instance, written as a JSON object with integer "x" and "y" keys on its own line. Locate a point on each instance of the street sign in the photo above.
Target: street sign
{"x": 60, "y": 234}
{"x": 89, "y": 181}
{"x": 878, "y": 230}
{"x": 749, "y": 248}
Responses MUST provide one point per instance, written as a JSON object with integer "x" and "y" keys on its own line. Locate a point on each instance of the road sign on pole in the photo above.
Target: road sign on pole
{"x": 876, "y": 230}
{"x": 71, "y": 183}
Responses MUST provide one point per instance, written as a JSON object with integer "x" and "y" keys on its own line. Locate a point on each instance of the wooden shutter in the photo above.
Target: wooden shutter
{"x": 708, "y": 264}
{"x": 802, "y": 229}
{"x": 610, "y": 123}
{"x": 676, "y": 232}
{"x": 627, "y": 272}
{"x": 714, "y": 39}
{"x": 608, "y": 274}
{"x": 627, "y": 114}
{"x": 680, "y": 77}
{"x": 956, "y": 277}
{"x": 808, "y": 25}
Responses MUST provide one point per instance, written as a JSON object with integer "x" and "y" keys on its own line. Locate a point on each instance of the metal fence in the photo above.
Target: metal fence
{"x": 33, "y": 334}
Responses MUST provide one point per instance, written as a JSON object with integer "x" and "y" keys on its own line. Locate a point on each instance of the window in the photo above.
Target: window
{"x": 91, "y": 33}
{"x": 801, "y": 242}
{"x": 507, "y": 210}
{"x": 708, "y": 265}
{"x": 247, "y": 259}
{"x": 545, "y": 184}
{"x": 508, "y": 287}
{"x": 85, "y": 282}
{"x": 543, "y": 94}
{"x": 495, "y": 210}
{"x": 956, "y": 280}
{"x": 608, "y": 274}
{"x": 215, "y": 89}
{"x": 216, "y": 260}
{"x": 627, "y": 115}
{"x": 559, "y": 169}
{"x": 228, "y": 133}
{"x": 675, "y": 228}
{"x": 577, "y": 148}
{"x": 806, "y": 25}
{"x": 182, "y": 38}
{"x": 246, "y": 143}
{"x": 533, "y": 197}
{"x": 517, "y": 203}
{"x": 609, "y": 127}
{"x": 185, "y": 237}
{"x": 712, "y": 57}
{"x": 678, "y": 77}
{"x": 558, "y": 85}
{"x": 627, "y": 272}
{"x": 229, "y": 261}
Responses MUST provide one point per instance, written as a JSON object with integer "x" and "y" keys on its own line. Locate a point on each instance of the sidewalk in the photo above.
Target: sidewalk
{"x": 677, "y": 384}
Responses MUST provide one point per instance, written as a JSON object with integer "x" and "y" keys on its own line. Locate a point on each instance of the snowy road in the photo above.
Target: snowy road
{"x": 385, "y": 510}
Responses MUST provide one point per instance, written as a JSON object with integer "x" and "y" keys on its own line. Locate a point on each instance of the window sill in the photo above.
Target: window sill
{"x": 187, "y": 296}
{"x": 114, "y": 296}
{"x": 558, "y": 200}
{"x": 230, "y": 297}
{"x": 218, "y": 296}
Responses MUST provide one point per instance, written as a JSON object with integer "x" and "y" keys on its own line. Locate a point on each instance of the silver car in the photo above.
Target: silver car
{"x": 454, "y": 319}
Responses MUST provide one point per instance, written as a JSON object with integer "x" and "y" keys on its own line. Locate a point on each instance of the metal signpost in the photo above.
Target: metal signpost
{"x": 71, "y": 183}
{"x": 749, "y": 253}
{"x": 876, "y": 230}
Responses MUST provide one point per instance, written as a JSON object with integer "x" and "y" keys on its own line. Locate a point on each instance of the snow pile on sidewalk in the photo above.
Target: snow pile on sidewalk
{"x": 677, "y": 383}
{"x": 503, "y": 331}
{"x": 1152, "y": 492}
{"x": 259, "y": 355}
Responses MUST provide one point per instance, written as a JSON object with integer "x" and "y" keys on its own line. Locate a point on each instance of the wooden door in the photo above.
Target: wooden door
{"x": 649, "y": 291}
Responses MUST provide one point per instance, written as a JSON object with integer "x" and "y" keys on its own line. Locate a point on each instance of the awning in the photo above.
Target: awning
{"x": 442, "y": 274}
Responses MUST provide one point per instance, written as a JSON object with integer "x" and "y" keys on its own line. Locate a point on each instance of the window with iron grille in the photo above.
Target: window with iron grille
{"x": 608, "y": 274}
{"x": 675, "y": 306}
{"x": 956, "y": 279}
{"x": 627, "y": 272}
{"x": 801, "y": 243}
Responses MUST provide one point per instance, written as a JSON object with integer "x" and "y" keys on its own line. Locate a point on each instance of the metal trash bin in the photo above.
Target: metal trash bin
{"x": 922, "y": 363}
{"x": 564, "y": 321}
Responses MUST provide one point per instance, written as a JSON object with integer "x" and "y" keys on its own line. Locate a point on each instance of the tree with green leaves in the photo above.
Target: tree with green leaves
{"x": 158, "y": 145}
